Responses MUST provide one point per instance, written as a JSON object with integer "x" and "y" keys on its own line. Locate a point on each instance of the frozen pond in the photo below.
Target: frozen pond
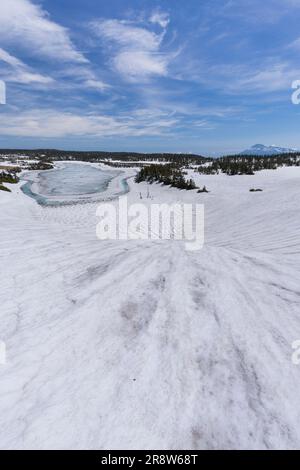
{"x": 73, "y": 180}
{"x": 70, "y": 183}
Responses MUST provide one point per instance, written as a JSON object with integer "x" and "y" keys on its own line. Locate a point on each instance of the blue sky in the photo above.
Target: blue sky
{"x": 205, "y": 76}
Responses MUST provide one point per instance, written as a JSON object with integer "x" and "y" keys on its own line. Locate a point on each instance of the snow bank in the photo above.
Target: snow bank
{"x": 145, "y": 345}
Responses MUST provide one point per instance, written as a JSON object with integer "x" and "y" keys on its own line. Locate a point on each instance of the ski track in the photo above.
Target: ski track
{"x": 143, "y": 345}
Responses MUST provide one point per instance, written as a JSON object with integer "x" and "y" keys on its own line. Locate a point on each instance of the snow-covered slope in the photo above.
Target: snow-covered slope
{"x": 260, "y": 149}
{"x": 143, "y": 344}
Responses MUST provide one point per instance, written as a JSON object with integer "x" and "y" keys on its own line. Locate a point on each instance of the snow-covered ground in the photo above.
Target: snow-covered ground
{"x": 144, "y": 345}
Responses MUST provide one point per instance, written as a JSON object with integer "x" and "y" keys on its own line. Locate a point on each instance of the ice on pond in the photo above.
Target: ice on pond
{"x": 68, "y": 184}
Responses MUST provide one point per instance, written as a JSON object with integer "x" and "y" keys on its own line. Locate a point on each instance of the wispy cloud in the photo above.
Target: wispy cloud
{"x": 178, "y": 70}
{"x": 254, "y": 12}
{"x": 19, "y": 72}
{"x": 276, "y": 77}
{"x": 243, "y": 79}
{"x": 29, "y": 27}
{"x": 295, "y": 44}
{"x": 52, "y": 123}
{"x": 136, "y": 51}
{"x": 96, "y": 84}
{"x": 26, "y": 27}
{"x": 161, "y": 18}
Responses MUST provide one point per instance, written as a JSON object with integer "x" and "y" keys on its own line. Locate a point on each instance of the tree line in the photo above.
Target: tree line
{"x": 248, "y": 164}
{"x": 169, "y": 175}
{"x": 102, "y": 156}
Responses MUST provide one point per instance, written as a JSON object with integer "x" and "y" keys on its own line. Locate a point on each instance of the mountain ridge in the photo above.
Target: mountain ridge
{"x": 260, "y": 149}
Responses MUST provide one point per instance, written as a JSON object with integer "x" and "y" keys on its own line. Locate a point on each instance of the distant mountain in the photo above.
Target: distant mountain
{"x": 260, "y": 149}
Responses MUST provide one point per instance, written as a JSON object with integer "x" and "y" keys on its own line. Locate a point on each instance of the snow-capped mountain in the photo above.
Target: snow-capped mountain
{"x": 260, "y": 149}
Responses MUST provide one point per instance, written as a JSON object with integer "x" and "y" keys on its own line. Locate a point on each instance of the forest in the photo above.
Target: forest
{"x": 169, "y": 175}
{"x": 102, "y": 156}
{"x": 248, "y": 165}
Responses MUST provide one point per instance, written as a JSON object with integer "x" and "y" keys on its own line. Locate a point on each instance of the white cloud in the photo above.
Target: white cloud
{"x": 27, "y": 77}
{"x": 140, "y": 64}
{"x": 295, "y": 44}
{"x": 273, "y": 77}
{"x": 19, "y": 72}
{"x": 96, "y": 84}
{"x": 50, "y": 123}
{"x": 28, "y": 26}
{"x": 160, "y": 18}
{"x": 136, "y": 51}
{"x": 203, "y": 124}
{"x": 253, "y": 77}
{"x": 9, "y": 59}
{"x": 127, "y": 35}
{"x": 82, "y": 76}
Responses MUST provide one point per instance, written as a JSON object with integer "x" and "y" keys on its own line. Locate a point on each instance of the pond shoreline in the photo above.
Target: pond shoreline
{"x": 114, "y": 186}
